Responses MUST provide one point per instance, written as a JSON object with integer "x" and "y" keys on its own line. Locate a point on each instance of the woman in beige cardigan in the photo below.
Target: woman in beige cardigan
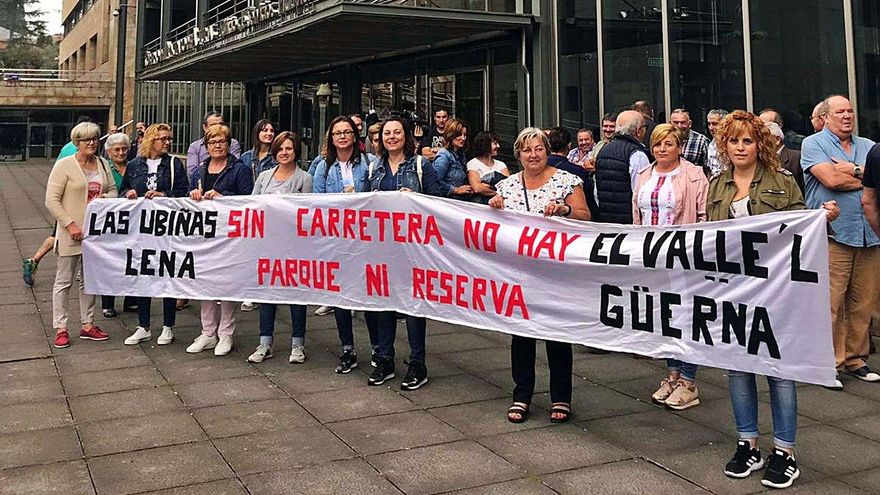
{"x": 73, "y": 183}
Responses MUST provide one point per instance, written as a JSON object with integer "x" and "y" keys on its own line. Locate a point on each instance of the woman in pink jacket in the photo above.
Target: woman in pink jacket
{"x": 672, "y": 191}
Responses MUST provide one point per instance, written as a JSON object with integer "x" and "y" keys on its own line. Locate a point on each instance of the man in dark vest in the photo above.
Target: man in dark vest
{"x": 617, "y": 167}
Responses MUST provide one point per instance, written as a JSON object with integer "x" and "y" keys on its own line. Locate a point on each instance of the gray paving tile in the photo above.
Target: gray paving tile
{"x": 63, "y": 478}
{"x": 204, "y": 370}
{"x": 26, "y": 350}
{"x": 394, "y": 432}
{"x": 634, "y": 477}
{"x": 155, "y": 469}
{"x": 354, "y": 477}
{"x": 142, "y": 432}
{"x": 865, "y": 480}
{"x": 524, "y": 486}
{"x": 447, "y": 390}
{"x": 830, "y": 406}
{"x": 25, "y": 370}
{"x": 593, "y": 401}
{"x": 220, "y": 487}
{"x": 644, "y": 388}
{"x": 504, "y": 379}
{"x": 489, "y": 417}
{"x": 34, "y": 416}
{"x": 30, "y": 390}
{"x": 455, "y": 342}
{"x": 229, "y": 391}
{"x": 481, "y": 360}
{"x": 339, "y": 405}
{"x": 612, "y": 368}
{"x": 302, "y": 446}
{"x": 253, "y": 417}
{"x": 99, "y": 382}
{"x": 836, "y": 452}
{"x": 124, "y": 404}
{"x": 822, "y": 487}
{"x": 109, "y": 359}
{"x": 865, "y": 426}
{"x": 554, "y": 448}
{"x": 299, "y": 382}
{"x": 39, "y": 447}
{"x": 653, "y": 432}
{"x": 855, "y": 386}
{"x": 444, "y": 467}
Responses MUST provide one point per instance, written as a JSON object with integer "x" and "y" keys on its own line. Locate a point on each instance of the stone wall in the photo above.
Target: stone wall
{"x": 57, "y": 93}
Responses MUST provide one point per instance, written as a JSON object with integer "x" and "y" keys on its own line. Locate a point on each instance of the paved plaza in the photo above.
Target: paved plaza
{"x": 102, "y": 418}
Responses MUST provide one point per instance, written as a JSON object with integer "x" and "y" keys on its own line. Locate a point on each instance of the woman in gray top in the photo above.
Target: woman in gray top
{"x": 286, "y": 178}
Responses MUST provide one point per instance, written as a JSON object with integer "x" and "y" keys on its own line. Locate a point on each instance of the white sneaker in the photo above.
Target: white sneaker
{"x": 201, "y": 343}
{"x": 166, "y": 336}
{"x": 264, "y": 351}
{"x": 248, "y": 306}
{"x": 323, "y": 310}
{"x": 297, "y": 354}
{"x": 223, "y": 346}
{"x": 140, "y": 334}
{"x": 354, "y": 314}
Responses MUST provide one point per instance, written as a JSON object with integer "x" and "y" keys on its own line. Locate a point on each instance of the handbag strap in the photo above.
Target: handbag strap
{"x": 522, "y": 181}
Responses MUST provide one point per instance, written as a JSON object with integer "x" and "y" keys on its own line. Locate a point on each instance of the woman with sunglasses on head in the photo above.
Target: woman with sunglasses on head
{"x": 154, "y": 173}
{"x": 221, "y": 174}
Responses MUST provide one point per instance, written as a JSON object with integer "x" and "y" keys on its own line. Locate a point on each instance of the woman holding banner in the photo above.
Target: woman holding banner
{"x": 450, "y": 161}
{"x": 221, "y": 174}
{"x": 400, "y": 169}
{"x": 342, "y": 168}
{"x": 73, "y": 183}
{"x": 154, "y": 173}
{"x": 755, "y": 183}
{"x": 546, "y": 190}
{"x": 286, "y": 178}
{"x": 672, "y": 191}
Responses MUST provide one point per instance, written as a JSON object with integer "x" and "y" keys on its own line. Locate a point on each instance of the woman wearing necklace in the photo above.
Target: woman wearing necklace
{"x": 546, "y": 190}
{"x": 73, "y": 183}
{"x": 755, "y": 183}
{"x": 398, "y": 168}
{"x": 221, "y": 174}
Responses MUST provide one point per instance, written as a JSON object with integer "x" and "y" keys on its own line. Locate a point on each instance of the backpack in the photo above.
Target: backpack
{"x": 418, "y": 169}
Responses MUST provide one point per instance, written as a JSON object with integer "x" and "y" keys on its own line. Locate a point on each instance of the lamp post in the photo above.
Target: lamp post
{"x": 121, "y": 14}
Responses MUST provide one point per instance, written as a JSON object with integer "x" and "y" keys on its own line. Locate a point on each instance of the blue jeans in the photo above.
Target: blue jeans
{"x": 416, "y": 330}
{"x": 783, "y": 405}
{"x": 169, "y": 311}
{"x": 688, "y": 371}
{"x": 344, "y": 327}
{"x": 267, "y": 323}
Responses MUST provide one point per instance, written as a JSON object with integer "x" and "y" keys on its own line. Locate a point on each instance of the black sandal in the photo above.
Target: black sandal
{"x": 562, "y": 408}
{"x": 520, "y": 408}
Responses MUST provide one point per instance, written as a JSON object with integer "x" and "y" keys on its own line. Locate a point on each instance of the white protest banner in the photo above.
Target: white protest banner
{"x": 749, "y": 294}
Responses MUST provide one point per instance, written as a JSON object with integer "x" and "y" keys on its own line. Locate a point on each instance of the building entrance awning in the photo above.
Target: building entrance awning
{"x": 327, "y": 33}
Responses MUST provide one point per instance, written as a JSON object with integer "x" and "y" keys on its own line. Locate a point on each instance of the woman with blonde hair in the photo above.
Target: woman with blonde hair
{"x": 755, "y": 183}
{"x": 73, "y": 183}
{"x": 154, "y": 173}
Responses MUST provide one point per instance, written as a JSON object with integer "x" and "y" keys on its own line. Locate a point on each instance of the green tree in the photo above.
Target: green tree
{"x": 30, "y": 46}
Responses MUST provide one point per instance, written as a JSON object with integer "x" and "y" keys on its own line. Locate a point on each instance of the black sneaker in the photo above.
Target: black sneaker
{"x": 745, "y": 460}
{"x": 782, "y": 470}
{"x": 865, "y": 374}
{"x": 838, "y": 385}
{"x": 109, "y": 313}
{"x": 383, "y": 371}
{"x": 347, "y": 362}
{"x": 416, "y": 376}
{"x": 374, "y": 358}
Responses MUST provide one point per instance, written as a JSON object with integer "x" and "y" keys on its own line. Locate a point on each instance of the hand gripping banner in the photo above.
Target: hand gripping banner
{"x": 749, "y": 294}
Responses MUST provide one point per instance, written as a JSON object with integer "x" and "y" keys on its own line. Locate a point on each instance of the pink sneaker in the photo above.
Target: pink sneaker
{"x": 93, "y": 333}
{"x": 62, "y": 339}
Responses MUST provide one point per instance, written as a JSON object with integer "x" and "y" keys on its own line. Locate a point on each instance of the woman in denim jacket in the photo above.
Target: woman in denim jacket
{"x": 259, "y": 159}
{"x": 347, "y": 173}
{"x": 400, "y": 169}
{"x": 450, "y": 161}
{"x": 154, "y": 173}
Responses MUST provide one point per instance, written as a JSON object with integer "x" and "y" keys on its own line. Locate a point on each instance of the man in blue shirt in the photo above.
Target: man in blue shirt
{"x": 833, "y": 161}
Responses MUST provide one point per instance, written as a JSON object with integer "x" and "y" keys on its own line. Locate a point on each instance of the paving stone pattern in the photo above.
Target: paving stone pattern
{"x": 102, "y": 418}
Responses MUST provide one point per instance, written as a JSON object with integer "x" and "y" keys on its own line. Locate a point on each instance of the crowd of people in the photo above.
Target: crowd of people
{"x": 639, "y": 172}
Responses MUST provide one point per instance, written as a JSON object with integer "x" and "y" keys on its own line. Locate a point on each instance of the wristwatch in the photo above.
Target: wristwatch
{"x": 858, "y": 171}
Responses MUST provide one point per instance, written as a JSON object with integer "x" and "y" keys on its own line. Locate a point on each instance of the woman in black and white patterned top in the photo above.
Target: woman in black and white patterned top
{"x": 540, "y": 188}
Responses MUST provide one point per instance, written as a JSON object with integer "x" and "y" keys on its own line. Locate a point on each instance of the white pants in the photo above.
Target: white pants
{"x": 67, "y": 270}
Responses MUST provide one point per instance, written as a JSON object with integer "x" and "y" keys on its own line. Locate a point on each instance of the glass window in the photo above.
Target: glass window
{"x": 632, "y": 35}
{"x": 798, "y": 58}
{"x": 866, "y": 17}
{"x": 706, "y": 64}
{"x": 578, "y": 64}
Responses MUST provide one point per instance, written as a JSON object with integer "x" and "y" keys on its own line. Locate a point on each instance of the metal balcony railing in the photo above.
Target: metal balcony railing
{"x": 235, "y": 19}
{"x": 13, "y": 76}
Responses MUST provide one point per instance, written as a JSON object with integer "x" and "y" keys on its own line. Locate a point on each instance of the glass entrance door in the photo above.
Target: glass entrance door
{"x": 462, "y": 94}
{"x": 38, "y": 141}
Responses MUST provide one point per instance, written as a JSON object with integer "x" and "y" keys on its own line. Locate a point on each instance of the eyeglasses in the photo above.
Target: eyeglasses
{"x": 342, "y": 133}
{"x": 215, "y": 143}
{"x": 88, "y": 140}
{"x": 165, "y": 139}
